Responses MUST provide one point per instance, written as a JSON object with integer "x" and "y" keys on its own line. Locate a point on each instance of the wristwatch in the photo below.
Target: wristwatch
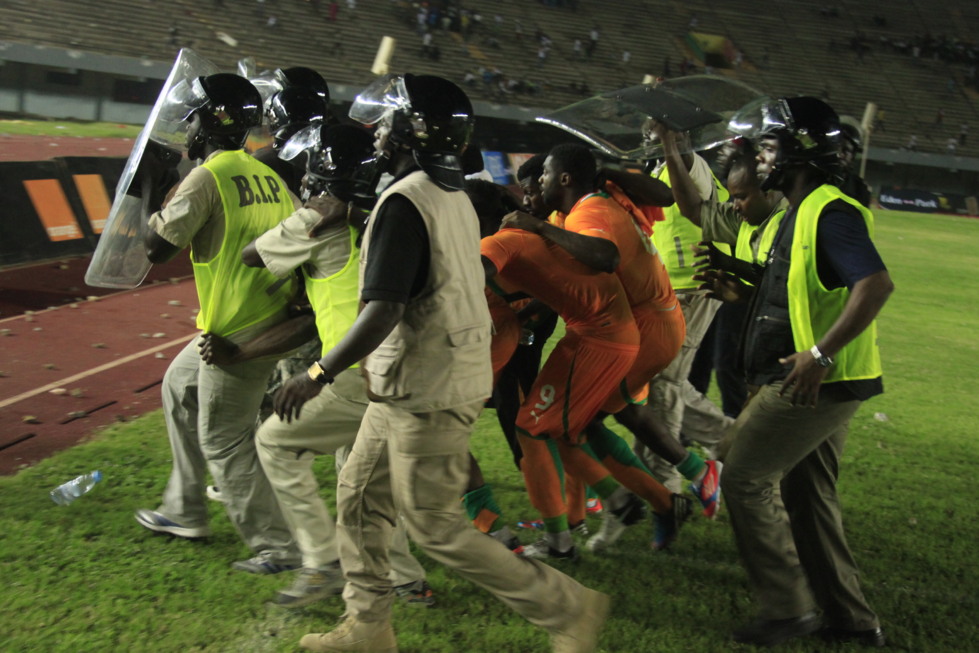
{"x": 822, "y": 361}
{"x": 316, "y": 373}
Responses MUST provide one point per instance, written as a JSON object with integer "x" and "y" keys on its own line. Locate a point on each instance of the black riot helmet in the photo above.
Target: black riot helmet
{"x": 290, "y": 110}
{"x": 808, "y": 134}
{"x": 304, "y": 77}
{"x": 335, "y": 155}
{"x": 224, "y": 105}
{"x": 428, "y": 115}
{"x": 851, "y": 133}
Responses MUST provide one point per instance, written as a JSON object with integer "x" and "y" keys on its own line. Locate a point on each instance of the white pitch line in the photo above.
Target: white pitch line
{"x": 94, "y": 370}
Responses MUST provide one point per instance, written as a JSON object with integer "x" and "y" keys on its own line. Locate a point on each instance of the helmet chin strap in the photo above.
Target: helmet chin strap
{"x": 196, "y": 148}
{"x": 773, "y": 180}
{"x": 369, "y": 174}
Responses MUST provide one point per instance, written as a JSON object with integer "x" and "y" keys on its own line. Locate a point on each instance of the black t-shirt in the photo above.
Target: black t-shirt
{"x": 397, "y": 267}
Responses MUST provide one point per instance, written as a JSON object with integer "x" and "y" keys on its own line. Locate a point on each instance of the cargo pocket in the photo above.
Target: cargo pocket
{"x": 383, "y": 369}
{"x": 470, "y": 335}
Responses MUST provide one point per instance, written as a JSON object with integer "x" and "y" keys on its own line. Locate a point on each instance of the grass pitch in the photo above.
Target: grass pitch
{"x": 87, "y": 578}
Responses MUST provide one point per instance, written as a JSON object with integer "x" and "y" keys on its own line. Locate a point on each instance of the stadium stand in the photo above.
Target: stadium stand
{"x": 847, "y": 51}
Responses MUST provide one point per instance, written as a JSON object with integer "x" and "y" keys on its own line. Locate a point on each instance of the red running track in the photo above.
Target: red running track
{"x": 81, "y": 365}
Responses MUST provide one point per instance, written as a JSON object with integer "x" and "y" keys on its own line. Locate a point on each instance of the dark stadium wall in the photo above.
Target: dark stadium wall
{"x": 55, "y": 208}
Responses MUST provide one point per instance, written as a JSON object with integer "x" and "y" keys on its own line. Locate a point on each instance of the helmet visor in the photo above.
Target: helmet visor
{"x": 267, "y": 85}
{"x": 301, "y": 141}
{"x": 385, "y": 95}
{"x": 747, "y": 122}
{"x": 776, "y": 116}
{"x": 184, "y": 98}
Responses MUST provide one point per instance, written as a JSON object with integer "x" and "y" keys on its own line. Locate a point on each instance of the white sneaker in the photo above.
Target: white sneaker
{"x": 159, "y": 523}
{"x": 214, "y": 493}
{"x": 614, "y": 523}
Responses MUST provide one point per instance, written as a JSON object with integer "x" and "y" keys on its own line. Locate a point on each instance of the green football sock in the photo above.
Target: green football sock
{"x": 691, "y": 466}
{"x": 608, "y": 443}
{"x": 482, "y": 508}
{"x": 557, "y": 524}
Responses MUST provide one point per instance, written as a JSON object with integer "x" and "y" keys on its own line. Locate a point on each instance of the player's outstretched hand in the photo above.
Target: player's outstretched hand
{"x": 723, "y": 286}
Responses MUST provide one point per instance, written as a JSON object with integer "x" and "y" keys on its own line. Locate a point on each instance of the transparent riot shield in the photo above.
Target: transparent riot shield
{"x": 617, "y": 122}
{"x": 120, "y": 259}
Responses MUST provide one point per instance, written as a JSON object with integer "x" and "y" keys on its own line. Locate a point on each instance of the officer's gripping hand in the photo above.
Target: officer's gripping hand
{"x": 804, "y": 380}
{"x": 291, "y": 397}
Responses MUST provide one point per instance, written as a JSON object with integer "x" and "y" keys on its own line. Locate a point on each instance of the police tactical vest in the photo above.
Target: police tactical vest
{"x": 793, "y": 310}
{"x": 438, "y": 356}
{"x": 743, "y": 249}
{"x": 675, "y": 236}
{"x": 813, "y": 309}
{"x": 335, "y": 298}
{"x": 232, "y": 295}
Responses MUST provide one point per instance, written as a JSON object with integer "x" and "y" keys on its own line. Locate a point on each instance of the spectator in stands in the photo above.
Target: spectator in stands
{"x": 879, "y": 123}
{"x": 963, "y": 133}
{"x": 912, "y": 144}
{"x": 333, "y": 10}
{"x": 577, "y": 52}
{"x": 626, "y": 58}
{"x": 939, "y": 117}
{"x": 592, "y": 42}
{"x": 951, "y": 144}
{"x": 272, "y": 22}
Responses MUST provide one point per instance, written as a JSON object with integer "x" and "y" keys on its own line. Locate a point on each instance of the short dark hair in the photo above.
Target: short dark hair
{"x": 743, "y": 163}
{"x": 492, "y": 202}
{"x": 576, "y": 160}
{"x": 532, "y": 168}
